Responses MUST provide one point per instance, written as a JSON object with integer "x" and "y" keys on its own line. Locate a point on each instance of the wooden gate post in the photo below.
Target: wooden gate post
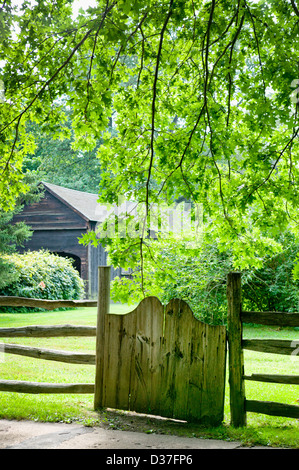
{"x": 236, "y": 360}
{"x": 103, "y": 309}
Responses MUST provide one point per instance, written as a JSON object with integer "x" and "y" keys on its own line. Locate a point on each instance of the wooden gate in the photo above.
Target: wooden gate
{"x": 159, "y": 360}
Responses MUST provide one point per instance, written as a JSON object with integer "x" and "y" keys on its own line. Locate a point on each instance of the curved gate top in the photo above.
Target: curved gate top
{"x": 161, "y": 360}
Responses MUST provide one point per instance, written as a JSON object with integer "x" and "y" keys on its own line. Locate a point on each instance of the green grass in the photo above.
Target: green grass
{"x": 261, "y": 429}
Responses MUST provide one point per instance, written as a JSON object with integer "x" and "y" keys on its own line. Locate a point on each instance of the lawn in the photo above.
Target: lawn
{"x": 261, "y": 429}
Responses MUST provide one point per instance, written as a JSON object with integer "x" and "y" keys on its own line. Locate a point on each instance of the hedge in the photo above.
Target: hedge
{"x": 42, "y": 275}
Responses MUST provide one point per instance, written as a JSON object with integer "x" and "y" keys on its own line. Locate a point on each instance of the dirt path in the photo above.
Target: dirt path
{"x": 37, "y": 435}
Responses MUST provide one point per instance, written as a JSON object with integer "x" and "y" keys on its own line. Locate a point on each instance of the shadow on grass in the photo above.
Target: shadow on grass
{"x": 264, "y": 435}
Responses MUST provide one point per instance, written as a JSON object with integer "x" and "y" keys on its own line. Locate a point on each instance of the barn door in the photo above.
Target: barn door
{"x": 163, "y": 361}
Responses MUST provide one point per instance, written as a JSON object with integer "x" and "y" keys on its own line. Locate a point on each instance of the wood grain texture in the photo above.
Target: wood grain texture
{"x": 272, "y": 408}
{"x": 274, "y": 378}
{"x": 162, "y": 360}
{"x": 50, "y": 213}
{"x": 42, "y": 331}
{"x": 236, "y": 358}
{"x": 104, "y": 274}
{"x": 48, "y": 354}
{"x": 274, "y": 346}
{"x": 271, "y": 318}
{"x": 42, "y": 387}
{"x": 10, "y": 301}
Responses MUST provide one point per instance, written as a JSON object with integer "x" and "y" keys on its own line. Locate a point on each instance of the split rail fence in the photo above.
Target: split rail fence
{"x": 159, "y": 359}
{"x": 156, "y": 359}
{"x": 239, "y": 405}
{"x": 46, "y": 354}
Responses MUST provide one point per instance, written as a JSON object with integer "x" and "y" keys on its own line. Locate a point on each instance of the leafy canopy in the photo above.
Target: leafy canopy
{"x": 202, "y": 97}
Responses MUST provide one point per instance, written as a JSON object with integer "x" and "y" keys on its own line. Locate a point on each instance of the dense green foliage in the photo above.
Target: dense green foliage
{"x": 273, "y": 287}
{"x": 204, "y": 104}
{"x": 57, "y": 161}
{"x": 43, "y": 275}
{"x": 10, "y": 236}
{"x": 261, "y": 429}
{"x": 14, "y": 235}
{"x": 198, "y": 275}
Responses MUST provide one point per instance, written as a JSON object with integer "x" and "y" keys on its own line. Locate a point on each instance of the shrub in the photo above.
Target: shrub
{"x": 199, "y": 277}
{"x": 201, "y": 282}
{"x": 42, "y": 275}
{"x": 274, "y": 287}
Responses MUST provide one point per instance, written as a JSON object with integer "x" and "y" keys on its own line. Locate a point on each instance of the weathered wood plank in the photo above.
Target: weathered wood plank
{"x": 179, "y": 323}
{"x": 48, "y": 354}
{"x": 274, "y": 378}
{"x": 156, "y": 312}
{"x": 275, "y": 346}
{"x": 196, "y": 401}
{"x": 149, "y": 355}
{"x": 42, "y": 387}
{"x": 271, "y": 318}
{"x": 119, "y": 356}
{"x": 168, "y": 361}
{"x": 236, "y": 359}
{"x": 104, "y": 274}
{"x": 109, "y": 383}
{"x": 193, "y": 367}
{"x": 131, "y": 364}
{"x": 10, "y": 301}
{"x": 272, "y": 408}
{"x": 214, "y": 368}
{"x": 126, "y": 366}
{"x": 42, "y": 331}
{"x": 146, "y": 387}
{"x": 176, "y": 353}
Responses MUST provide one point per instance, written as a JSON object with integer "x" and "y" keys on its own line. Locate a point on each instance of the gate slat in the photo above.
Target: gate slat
{"x": 149, "y": 327}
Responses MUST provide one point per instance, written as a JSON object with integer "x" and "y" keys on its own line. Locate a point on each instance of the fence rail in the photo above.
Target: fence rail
{"x": 48, "y": 354}
{"x": 274, "y": 378}
{"x": 42, "y": 331}
{"x": 270, "y": 318}
{"x": 239, "y": 405}
{"x": 40, "y": 387}
{"x": 272, "y": 408}
{"x": 9, "y": 301}
{"x": 274, "y": 346}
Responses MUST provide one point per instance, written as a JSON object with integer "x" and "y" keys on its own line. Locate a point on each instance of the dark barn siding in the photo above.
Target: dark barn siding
{"x": 52, "y": 214}
{"x": 97, "y": 257}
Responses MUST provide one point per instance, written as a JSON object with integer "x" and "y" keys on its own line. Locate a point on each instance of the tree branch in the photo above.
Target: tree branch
{"x": 47, "y": 83}
{"x": 154, "y": 107}
{"x": 295, "y": 8}
{"x": 258, "y": 48}
{"x": 229, "y": 70}
{"x": 295, "y": 133}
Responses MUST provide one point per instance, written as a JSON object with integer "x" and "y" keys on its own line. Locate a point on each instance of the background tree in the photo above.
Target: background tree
{"x": 57, "y": 161}
{"x": 201, "y": 93}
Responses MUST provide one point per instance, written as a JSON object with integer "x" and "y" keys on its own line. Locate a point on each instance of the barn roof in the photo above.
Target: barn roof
{"x": 86, "y": 204}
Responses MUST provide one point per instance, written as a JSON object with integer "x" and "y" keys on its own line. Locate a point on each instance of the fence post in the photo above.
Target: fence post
{"x": 236, "y": 360}
{"x": 103, "y": 309}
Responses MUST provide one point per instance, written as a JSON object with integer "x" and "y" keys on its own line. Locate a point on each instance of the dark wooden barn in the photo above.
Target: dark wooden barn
{"x": 58, "y": 220}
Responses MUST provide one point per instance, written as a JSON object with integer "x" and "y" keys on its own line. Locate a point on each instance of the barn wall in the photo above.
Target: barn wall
{"x": 50, "y": 214}
{"x": 57, "y": 227}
